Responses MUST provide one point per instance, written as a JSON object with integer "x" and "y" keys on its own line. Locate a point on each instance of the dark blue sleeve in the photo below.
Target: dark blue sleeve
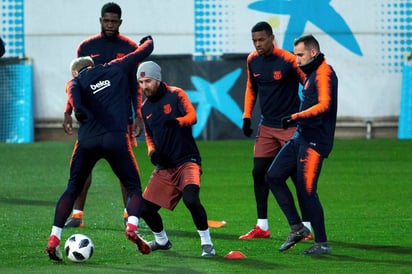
{"x": 81, "y": 113}
{"x": 130, "y": 61}
{"x": 2, "y": 49}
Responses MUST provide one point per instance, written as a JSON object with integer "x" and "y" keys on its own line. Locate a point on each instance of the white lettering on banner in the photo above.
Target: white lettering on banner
{"x": 100, "y": 86}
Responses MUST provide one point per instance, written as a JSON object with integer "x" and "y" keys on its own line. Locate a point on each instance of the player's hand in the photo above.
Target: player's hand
{"x": 247, "y": 130}
{"x": 138, "y": 127}
{"x": 286, "y": 121}
{"x": 131, "y": 133}
{"x": 172, "y": 123}
{"x": 68, "y": 124}
{"x": 144, "y": 39}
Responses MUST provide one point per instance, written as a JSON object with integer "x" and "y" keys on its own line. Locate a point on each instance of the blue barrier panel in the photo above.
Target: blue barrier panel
{"x": 405, "y": 115}
{"x": 16, "y": 103}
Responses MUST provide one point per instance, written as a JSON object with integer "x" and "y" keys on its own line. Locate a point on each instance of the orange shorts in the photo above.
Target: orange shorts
{"x": 269, "y": 141}
{"x": 166, "y": 185}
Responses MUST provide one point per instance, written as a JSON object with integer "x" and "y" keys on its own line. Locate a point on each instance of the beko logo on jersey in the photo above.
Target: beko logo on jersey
{"x": 100, "y": 86}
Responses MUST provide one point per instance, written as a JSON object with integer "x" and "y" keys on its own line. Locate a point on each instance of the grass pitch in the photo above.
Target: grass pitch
{"x": 365, "y": 188}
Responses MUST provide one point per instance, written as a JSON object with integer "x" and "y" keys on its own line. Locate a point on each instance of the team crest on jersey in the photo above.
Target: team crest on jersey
{"x": 277, "y": 75}
{"x": 167, "y": 109}
{"x": 119, "y": 55}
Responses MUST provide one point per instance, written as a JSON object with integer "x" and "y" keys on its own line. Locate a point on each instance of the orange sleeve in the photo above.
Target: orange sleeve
{"x": 250, "y": 93}
{"x": 190, "y": 117}
{"x": 324, "y": 95}
{"x": 138, "y": 109}
{"x": 150, "y": 145}
{"x": 291, "y": 58}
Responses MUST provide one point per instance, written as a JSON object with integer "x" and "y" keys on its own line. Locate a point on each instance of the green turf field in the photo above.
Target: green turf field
{"x": 365, "y": 188}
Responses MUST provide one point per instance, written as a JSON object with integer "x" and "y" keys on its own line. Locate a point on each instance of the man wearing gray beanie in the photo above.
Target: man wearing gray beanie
{"x": 149, "y": 69}
{"x": 168, "y": 116}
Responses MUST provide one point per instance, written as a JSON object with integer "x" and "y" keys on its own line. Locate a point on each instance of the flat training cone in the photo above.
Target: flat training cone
{"x": 215, "y": 224}
{"x": 235, "y": 255}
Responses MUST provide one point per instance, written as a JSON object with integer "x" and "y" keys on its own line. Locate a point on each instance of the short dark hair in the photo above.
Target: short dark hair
{"x": 309, "y": 41}
{"x": 263, "y": 26}
{"x": 112, "y": 8}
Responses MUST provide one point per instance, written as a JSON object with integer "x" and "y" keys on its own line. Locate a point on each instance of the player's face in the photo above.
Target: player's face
{"x": 149, "y": 86}
{"x": 303, "y": 54}
{"x": 263, "y": 42}
{"x": 110, "y": 23}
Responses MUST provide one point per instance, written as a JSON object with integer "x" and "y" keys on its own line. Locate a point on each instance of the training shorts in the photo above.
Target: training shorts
{"x": 166, "y": 185}
{"x": 269, "y": 140}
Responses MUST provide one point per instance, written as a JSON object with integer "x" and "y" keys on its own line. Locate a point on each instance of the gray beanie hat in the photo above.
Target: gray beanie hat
{"x": 149, "y": 69}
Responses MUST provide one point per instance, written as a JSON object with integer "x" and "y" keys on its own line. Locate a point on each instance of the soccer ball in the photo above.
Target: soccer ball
{"x": 79, "y": 248}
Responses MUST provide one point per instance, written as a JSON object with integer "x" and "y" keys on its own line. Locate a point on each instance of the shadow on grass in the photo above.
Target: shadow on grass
{"x": 381, "y": 248}
{"x": 143, "y": 268}
{"x": 172, "y": 255}
{"x": 368, "y": 247}
{"x": 28, "y": 202}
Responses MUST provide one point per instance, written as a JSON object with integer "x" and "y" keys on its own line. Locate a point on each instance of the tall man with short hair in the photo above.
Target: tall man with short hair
{"x": 273, "y": 76}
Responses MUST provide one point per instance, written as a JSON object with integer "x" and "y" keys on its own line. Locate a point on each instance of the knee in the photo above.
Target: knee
{"x": 147, "y": 207}
{"x": 271, "y": 178}
{"x": 190, "y": 196}
{"x": 260, "y": 168}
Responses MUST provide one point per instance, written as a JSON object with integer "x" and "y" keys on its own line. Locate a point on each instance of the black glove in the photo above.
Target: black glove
{"x": 246, "y": 127}
{"x": 158, "y": 158}
{"x": 81, "y": 115}
{"x": 285, "y": 122}
{"x": 172, "y": 123}
{"x": 144, "y": 39}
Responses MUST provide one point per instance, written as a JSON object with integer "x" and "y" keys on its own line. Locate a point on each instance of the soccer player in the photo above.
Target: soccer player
{"x": 273, "y": 75}
{"x": 100, "y": 98}
{"x": 104, "y": 47}
{"x": 168, "y": 116}
{"x": 303, "y": 155}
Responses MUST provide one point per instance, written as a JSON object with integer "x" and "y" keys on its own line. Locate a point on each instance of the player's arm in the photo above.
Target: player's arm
{"x": 250, "y": 95}
{"x": 136, "y": 128}
{"x": 149, "y": 138}
{"x": 130, "y": 61}
{"x": 67, "y": 120}
{"x": 189, "y": 118}
{"x": 323, "y": 84}
{"x": 81, "y": 113}
{"x": 249, "y": 101}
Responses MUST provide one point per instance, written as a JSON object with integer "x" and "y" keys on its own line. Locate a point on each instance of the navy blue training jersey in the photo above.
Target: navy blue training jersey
{"x": 274, "y": 79}
{"x": 102, "y": 93}
{"x": 177, "y": 143}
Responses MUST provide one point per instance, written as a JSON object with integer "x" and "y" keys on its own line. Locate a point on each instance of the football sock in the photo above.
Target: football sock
{"x": 57, "y": 231}
{"x": 308, "y": 225}
{"x": 263, "y": 224}
{"x": 132, "y": 223}
{"x": 205, "y": 237}
{"x": 161, "y": 237}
